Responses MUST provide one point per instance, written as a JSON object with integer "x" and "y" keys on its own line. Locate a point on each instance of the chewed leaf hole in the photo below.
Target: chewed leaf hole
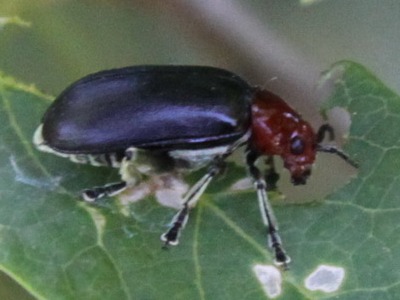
{"x": 270, "y": 278}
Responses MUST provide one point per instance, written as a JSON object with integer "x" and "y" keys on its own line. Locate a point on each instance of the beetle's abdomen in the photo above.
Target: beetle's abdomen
{"x": 149, "y": 107}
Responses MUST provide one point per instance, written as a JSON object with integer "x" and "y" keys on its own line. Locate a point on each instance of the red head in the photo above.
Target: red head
{"x": 278, "y": 130}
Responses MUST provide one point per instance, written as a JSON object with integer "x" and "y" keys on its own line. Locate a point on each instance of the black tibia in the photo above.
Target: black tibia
{"x": 91, "y": 195}
{"x": 274, "y": 241}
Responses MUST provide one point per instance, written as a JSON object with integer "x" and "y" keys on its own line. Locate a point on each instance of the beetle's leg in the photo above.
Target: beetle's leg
{"x": 109, "y": 190}
{"x": 128, "y": 179}
{"x": 274, "y": 240}
{"x": 271, "y": 176}
{"x": 171, "y": 237}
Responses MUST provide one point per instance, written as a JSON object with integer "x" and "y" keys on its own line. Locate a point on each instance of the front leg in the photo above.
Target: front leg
{"x": 274, "y": 240}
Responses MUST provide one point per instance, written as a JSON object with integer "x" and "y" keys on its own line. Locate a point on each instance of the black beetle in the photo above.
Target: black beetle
{"x": 156, "y": 119}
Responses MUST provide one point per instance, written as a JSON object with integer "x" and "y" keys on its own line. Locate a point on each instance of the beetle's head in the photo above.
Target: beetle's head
{"x": 299, "y": 152}
{"x": 278, "y": 130}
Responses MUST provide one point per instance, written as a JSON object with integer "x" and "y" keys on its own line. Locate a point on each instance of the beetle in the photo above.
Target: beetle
{"x": 154, "y": 119}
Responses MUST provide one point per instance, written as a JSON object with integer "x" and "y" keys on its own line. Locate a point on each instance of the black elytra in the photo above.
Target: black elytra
{"x": 177, "y": 107}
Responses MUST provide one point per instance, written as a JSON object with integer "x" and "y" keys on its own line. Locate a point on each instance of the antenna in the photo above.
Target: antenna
{"x": 327, "y": 129}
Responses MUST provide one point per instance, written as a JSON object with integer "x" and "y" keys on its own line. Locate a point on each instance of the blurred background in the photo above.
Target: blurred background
{"x": 281, "y": 45}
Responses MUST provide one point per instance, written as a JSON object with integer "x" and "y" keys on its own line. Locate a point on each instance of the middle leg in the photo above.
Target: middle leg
{"x": 171, "y": 237}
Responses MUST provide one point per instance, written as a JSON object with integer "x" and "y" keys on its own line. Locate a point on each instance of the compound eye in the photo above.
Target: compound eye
{"x": 297, "y": 146}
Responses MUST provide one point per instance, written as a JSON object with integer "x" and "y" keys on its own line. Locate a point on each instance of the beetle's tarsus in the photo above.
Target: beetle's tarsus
{"x": 171, "y": 237}
{"x": 91, "y": 195}
{"x": 281, "y": 258}
{"x": 275, "y": 243}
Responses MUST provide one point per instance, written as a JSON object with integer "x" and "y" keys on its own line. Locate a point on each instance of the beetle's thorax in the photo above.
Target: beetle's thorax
{"x": 278, "y": 130}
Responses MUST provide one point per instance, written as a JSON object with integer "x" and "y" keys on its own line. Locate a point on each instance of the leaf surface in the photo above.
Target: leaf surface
{"x": 59, "y": 248}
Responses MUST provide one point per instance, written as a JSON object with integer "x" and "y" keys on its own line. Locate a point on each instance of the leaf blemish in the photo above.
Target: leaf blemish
{"x": 48, "y": 184}
{"x": 270, "y": 278}
{"x": 325, "y": 278}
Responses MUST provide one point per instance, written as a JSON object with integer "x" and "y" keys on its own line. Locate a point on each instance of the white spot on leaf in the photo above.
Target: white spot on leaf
{"x": 270, "y": 278}
{"x": 325, "y": 278}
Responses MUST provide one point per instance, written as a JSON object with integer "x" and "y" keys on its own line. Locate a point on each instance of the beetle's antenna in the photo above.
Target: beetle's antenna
{"x": 323, "y": 130}
{"x": 338, "y": 152}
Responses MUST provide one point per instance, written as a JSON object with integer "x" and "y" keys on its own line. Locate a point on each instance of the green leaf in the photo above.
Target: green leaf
{"x": 59, "y": 248}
